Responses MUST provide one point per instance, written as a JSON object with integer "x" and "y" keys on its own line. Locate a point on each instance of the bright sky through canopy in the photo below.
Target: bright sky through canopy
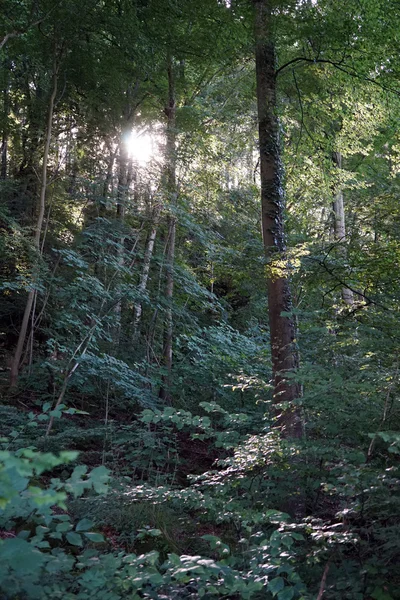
{"x": 141, "y": 146}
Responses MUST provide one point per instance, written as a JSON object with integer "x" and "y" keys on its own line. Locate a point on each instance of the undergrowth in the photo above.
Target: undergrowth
{"x": 145, "y": 523}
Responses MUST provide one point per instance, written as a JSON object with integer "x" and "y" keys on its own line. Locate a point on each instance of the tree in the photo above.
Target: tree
{"x": 339, "y": 226}
{"x": 15, "y": 365}
{"x": 173, "y": 253}
{"x": 171, "y": 193}
{"x": 282, "y": 327}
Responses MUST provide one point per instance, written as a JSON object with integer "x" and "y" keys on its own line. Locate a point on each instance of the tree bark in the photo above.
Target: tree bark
{"x": 15, "y": 365}
{"x": 169, "y": 293}
{"x": 170, "y": 111}
{"x": 6, "y": 111}
{"x": 148, "y": 253}
{"x": 109, "y": 175}
{"x": 282, "y": 327}
{"x": 339, "y": 227}
{"x": 122, "y": 196}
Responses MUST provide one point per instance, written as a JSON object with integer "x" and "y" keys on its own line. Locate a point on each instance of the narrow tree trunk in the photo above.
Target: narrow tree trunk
{"x": 109, "y": 175}
{"x": 74, "y": 170}
{"x": 170, "y": 112}
{"x": 122, "y": 195}
{"x": 339, "y": 227}
{"x": 282, "y": 328}
{"x": 38, "y": 229}
{"x": 148, "y": 253}
{"x": 3, "y": 152}
{"x": 4, "y": 140}
{"x": 122, "y": 180}
{"x": 169, "y": 293}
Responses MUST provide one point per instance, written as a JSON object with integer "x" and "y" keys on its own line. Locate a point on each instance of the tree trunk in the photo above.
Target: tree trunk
{"x": 339, "y": 227}
{"x": 171, "y": 190}
{"x": 123, "y": 160}
{"x": 148, "y": 253}
{"x": 38, "y": 229}
{"x": 282, "y": 328}
{"x": 4, "y": 137}
{"x": 122, "y": 195}
{"x": 3, "y": 152}
{"x": 108, "y": 180}
{"x": 168, "y": 324}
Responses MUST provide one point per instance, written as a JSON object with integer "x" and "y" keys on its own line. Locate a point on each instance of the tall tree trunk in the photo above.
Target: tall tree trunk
{"x": 122, "y": 191}
{"x": 4, "y": 137}
{"x": 282, "y": 327}
{"x": 170, "y": 111}
{"x": 25, "y": 203}
{"x": 339, "y": 227}
{"x": 122, "y": 196}
{"x": 3, "y": 152}
{"x": 38, "y": 230}
{"x": 148, "y": 253}
{"x": 109, "y": 175}
{"x": 168, "y": 324}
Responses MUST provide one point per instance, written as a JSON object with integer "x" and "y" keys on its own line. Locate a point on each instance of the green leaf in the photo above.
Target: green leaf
{"x": 24, "y": 534}
{"x": 276, "y": 585}
{"x": 156, "y": 579}
{"x": 69, "y": 455}
{"x": 84, "y": 525}
{"x": 74, "y": 538}
{"x": 286, "y": 594}
{"x": 63, "y": 527}
{"x": 205, "y": 422}
{"x": 93, "y": 536}
{"x": 380, "y": 594}
{"x": 99, "y": 478}
{"x": 43, "y": 417}
{"x": 23, "y": 557}
{"x": 154, "y": 532}
{"x": 174, "y": 559}
{"x": 56, "y": 413}
{"x": 147, "y": 416}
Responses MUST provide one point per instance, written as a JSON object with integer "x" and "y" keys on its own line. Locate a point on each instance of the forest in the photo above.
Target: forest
{"x": 199, "y": 299}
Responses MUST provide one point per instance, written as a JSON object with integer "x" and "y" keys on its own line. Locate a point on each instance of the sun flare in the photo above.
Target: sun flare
{"x": 142, "y": 146}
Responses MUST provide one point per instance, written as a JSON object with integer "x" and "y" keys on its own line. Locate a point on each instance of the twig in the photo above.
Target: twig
{"x": 323, "y": 580}
{"x": 348, "y": 69}
{"x": 340, "y": 281}
{"x": 385, "y": 410}
{"x": 17, "y": 33}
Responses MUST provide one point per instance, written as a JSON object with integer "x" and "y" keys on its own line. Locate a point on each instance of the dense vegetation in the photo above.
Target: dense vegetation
{"x": 200, "y": 397}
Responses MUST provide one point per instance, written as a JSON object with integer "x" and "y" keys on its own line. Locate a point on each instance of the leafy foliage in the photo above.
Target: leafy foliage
{"x": 120, "y": 478}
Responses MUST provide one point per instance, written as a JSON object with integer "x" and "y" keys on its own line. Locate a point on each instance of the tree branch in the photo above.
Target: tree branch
{"x": 337, "y": 65}
{"x": 323, "y": 580}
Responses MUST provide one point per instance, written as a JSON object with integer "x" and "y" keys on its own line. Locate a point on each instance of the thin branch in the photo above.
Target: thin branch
{"x": 323, "y": 580}
{"x": 302, "y": 123}
{"x": 340, "y": 281}
{"x": 292, "y": 62}
{"x": 337, "y": 65}
{"x": 18, "y": 32}
{"x": 385, "y": 410}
